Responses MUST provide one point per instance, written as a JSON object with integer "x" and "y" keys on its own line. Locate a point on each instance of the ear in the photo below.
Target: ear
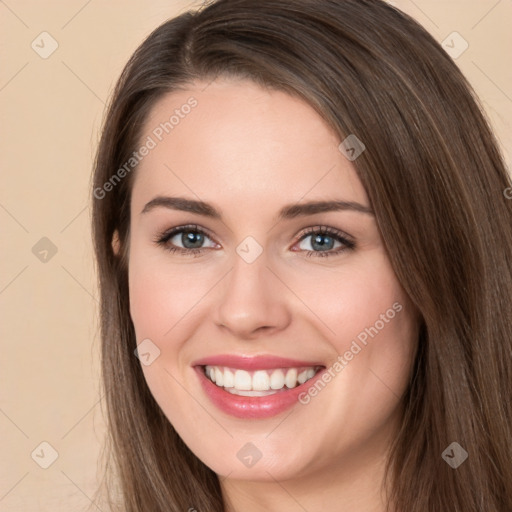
{"x": 115, "y": 243}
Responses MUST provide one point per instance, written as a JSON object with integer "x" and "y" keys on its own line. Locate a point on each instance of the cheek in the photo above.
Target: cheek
{"x": 352, "y": 301}
{"x": 161, "y": 296}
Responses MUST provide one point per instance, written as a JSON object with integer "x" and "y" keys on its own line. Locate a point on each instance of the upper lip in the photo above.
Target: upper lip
{"x": 262, "y": 362}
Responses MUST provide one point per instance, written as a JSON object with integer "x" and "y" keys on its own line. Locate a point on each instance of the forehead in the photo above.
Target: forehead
{"x": 237, "y": 144}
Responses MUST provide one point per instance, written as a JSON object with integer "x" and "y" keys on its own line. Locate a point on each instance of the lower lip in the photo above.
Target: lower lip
{"x": 249, "y": 407}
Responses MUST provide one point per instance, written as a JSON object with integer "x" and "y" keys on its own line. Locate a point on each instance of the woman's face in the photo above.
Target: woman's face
{"x": 264, "y": 287}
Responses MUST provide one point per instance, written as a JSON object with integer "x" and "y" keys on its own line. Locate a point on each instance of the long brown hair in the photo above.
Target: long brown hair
{"x": 436, "y": 182}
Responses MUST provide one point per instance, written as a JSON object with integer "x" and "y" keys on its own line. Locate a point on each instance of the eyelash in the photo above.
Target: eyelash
{"x": 163, "y": 239}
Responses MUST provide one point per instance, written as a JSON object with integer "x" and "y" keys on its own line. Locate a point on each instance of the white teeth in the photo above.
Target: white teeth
{"x": 243, "y": 380}
{"x": 219, "y": 377}
{"x": 302, "y": 377}
{"x": 229, "y": 378}
{"x": 259, "y": 382}
{"x": 291, "y": 378}
{"x": 277, "y": 379}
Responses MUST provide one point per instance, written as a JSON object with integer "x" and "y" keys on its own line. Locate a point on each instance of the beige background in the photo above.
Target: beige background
{"x": 51, "y": 111}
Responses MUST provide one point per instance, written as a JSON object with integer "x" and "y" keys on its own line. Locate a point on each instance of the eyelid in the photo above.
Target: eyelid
{"x": 171, "y": 232}
{"x": 311, "y": 230}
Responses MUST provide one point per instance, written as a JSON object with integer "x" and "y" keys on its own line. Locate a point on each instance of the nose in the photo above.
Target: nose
{"x": 253, "y": 300}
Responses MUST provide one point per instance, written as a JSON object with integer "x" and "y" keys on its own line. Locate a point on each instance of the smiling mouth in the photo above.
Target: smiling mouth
{"x": 259, "y": 382}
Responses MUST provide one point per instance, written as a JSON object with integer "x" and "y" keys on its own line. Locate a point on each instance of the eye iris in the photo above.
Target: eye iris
{"x": 196, "y": 239}
{"x": 317, "y": 239}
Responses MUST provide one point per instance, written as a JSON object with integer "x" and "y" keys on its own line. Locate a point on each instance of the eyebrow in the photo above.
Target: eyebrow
{"x": 288, "y": 212}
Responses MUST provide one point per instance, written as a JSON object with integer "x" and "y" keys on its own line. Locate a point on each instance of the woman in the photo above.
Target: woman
{"x": 303, "y": 243}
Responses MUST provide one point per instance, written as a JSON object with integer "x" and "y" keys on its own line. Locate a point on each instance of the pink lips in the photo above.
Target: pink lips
{"x": 253, "y": 407}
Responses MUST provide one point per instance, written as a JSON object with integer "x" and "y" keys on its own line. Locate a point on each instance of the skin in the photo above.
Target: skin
{"x": 250, "y": 151}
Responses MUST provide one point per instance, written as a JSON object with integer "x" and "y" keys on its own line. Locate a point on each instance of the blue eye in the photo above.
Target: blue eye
{"x": 192, "y": 237}
{"x": 324, "y": 239}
